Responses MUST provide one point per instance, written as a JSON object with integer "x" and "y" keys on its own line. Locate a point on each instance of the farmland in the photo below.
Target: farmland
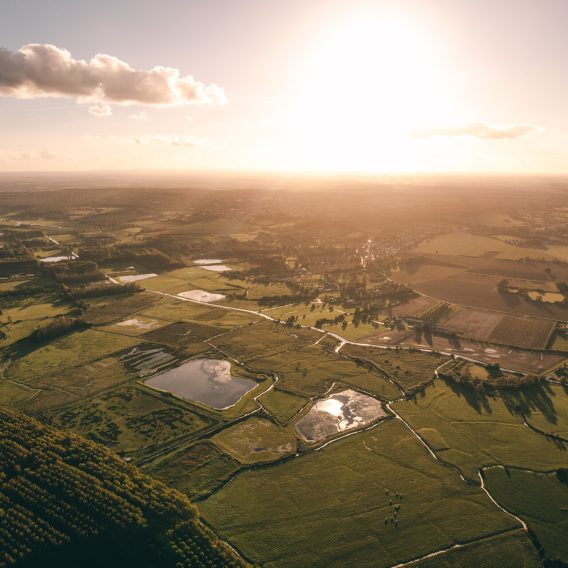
{"x": 471, "y": 429}
{"x": 538, "y": 498}
{"x": 256, "y": 440}
{"x": 270, "y": 393}
{"x": 322, "y": 498}
{"x": 131, "y": 420}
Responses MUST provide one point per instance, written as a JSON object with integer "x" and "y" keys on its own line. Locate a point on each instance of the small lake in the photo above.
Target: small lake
{"x": 208, "y": 261}
{"x": 201, "y": 296}
{"x": 135, "y": 277}
{"x": 216, "y": 267}
{"x": 338, "y": 413}
{"x": 54, "y": 259}
{"x": 208, "y": 381}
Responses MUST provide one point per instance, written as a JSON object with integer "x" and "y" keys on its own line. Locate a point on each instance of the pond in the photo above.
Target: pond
{"x": 54, "y": 259}
{"x": 201, "y": 296}
{"x": 339, "y": 412}
{"x": 208, "y": 381}
{"x": 135, "y": 277}
{"x": 216, "y": 267}
{"x": 208, "y": 261}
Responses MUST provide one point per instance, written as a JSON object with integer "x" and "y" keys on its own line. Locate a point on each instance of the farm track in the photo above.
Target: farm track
{"x": 456, "y": 546}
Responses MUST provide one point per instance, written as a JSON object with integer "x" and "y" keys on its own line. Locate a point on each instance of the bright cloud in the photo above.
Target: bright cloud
{"x": 477, "y": 130}
{"x": 174, "y": 140}
{"x": 100, "y": 110}
{"x": 43, "y": 70}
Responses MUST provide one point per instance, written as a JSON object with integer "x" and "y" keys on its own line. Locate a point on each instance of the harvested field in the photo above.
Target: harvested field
{"x": 476, "y": 285}
{"x": 415, "y": 307}
{"x": 523, "y": 360}
{"x": 474, "y": 324}
{"x": 526, "y": 333}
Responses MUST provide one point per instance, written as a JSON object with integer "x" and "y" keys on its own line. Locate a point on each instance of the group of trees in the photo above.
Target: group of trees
{"x": 99, "y": 289}
{"x": 76, "y": 272}
{"x": 68, "y": 502}
{"x": 58, "y": 327}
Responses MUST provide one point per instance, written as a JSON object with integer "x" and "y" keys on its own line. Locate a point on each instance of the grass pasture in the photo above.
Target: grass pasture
{"x": 501, "y": 551}
{"x": 179, "y": 334}
{"x": 256, "y": 440}
{"x": 311, "y": 371}
{"x": 471, "y": 430}
{"x": 476, "y": 285}
{"x": 86, "y": 379}
{"x": 409, "y": 369}
{"x": 132, "y": 419}
{"x": 174, "y": 310}
{"x": 320, "y": 510}
{"x": 462, "y": 243}
{"x": 262, "y": 339}
{"x": 283, "y": 405}
{"x": 33, "y": 308}
{"x": 196, "y": 469}
{"x": 557, "y": 421}
{"x": 541, "y": 500}
{"x": 11, "y": 392}
{"x": 115, "y": 309}
{"x": 71, "y": 350}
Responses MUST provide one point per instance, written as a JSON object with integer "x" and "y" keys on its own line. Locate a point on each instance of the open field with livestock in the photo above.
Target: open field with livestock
{"x": 322, "y": 499}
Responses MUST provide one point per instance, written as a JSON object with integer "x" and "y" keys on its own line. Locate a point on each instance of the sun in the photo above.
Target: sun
{"x": 372, "y": 81}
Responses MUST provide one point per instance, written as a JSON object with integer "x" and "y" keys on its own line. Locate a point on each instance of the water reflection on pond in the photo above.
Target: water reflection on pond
{"x": 208, "y": 381}
{"x": 337, "y": 413}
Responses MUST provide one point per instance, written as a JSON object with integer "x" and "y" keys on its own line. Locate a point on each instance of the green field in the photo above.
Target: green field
{"x": 283, "y": 405}
{"x": 256, "y": 440}
{"x": 552, "y": 418}
{"x": 11, "y": 392}
{"x": 502, "y": 551}
{"x": 408, "y": 369}
{"x": 72, "y": 384}
{"x": 470, "y": 429}
{"x": 132, "y": 419}
{"x": 78, "y": 348}
{"x": 37, "y": 307}
{"x": 312, "y": 370}
{"x": 541, "y": 500}
{"x": 331, "y": 506}
{"x": 195, "y": 470}
{"x": 262, "y": 339}
{"x": 172, "y": 309}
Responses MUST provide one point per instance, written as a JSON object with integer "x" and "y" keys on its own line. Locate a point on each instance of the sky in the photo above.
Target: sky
{"x": 357, "y": 86}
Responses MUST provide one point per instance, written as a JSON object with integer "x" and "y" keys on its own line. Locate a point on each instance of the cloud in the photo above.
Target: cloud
{"x": 477, "y": 130}
{"x": 174, "y": 140}
{"x": 100, "y": 110}
{"x": 139, "y": 116}
{"x": 42, "y": 155}
{"x": 43, "y": 70}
